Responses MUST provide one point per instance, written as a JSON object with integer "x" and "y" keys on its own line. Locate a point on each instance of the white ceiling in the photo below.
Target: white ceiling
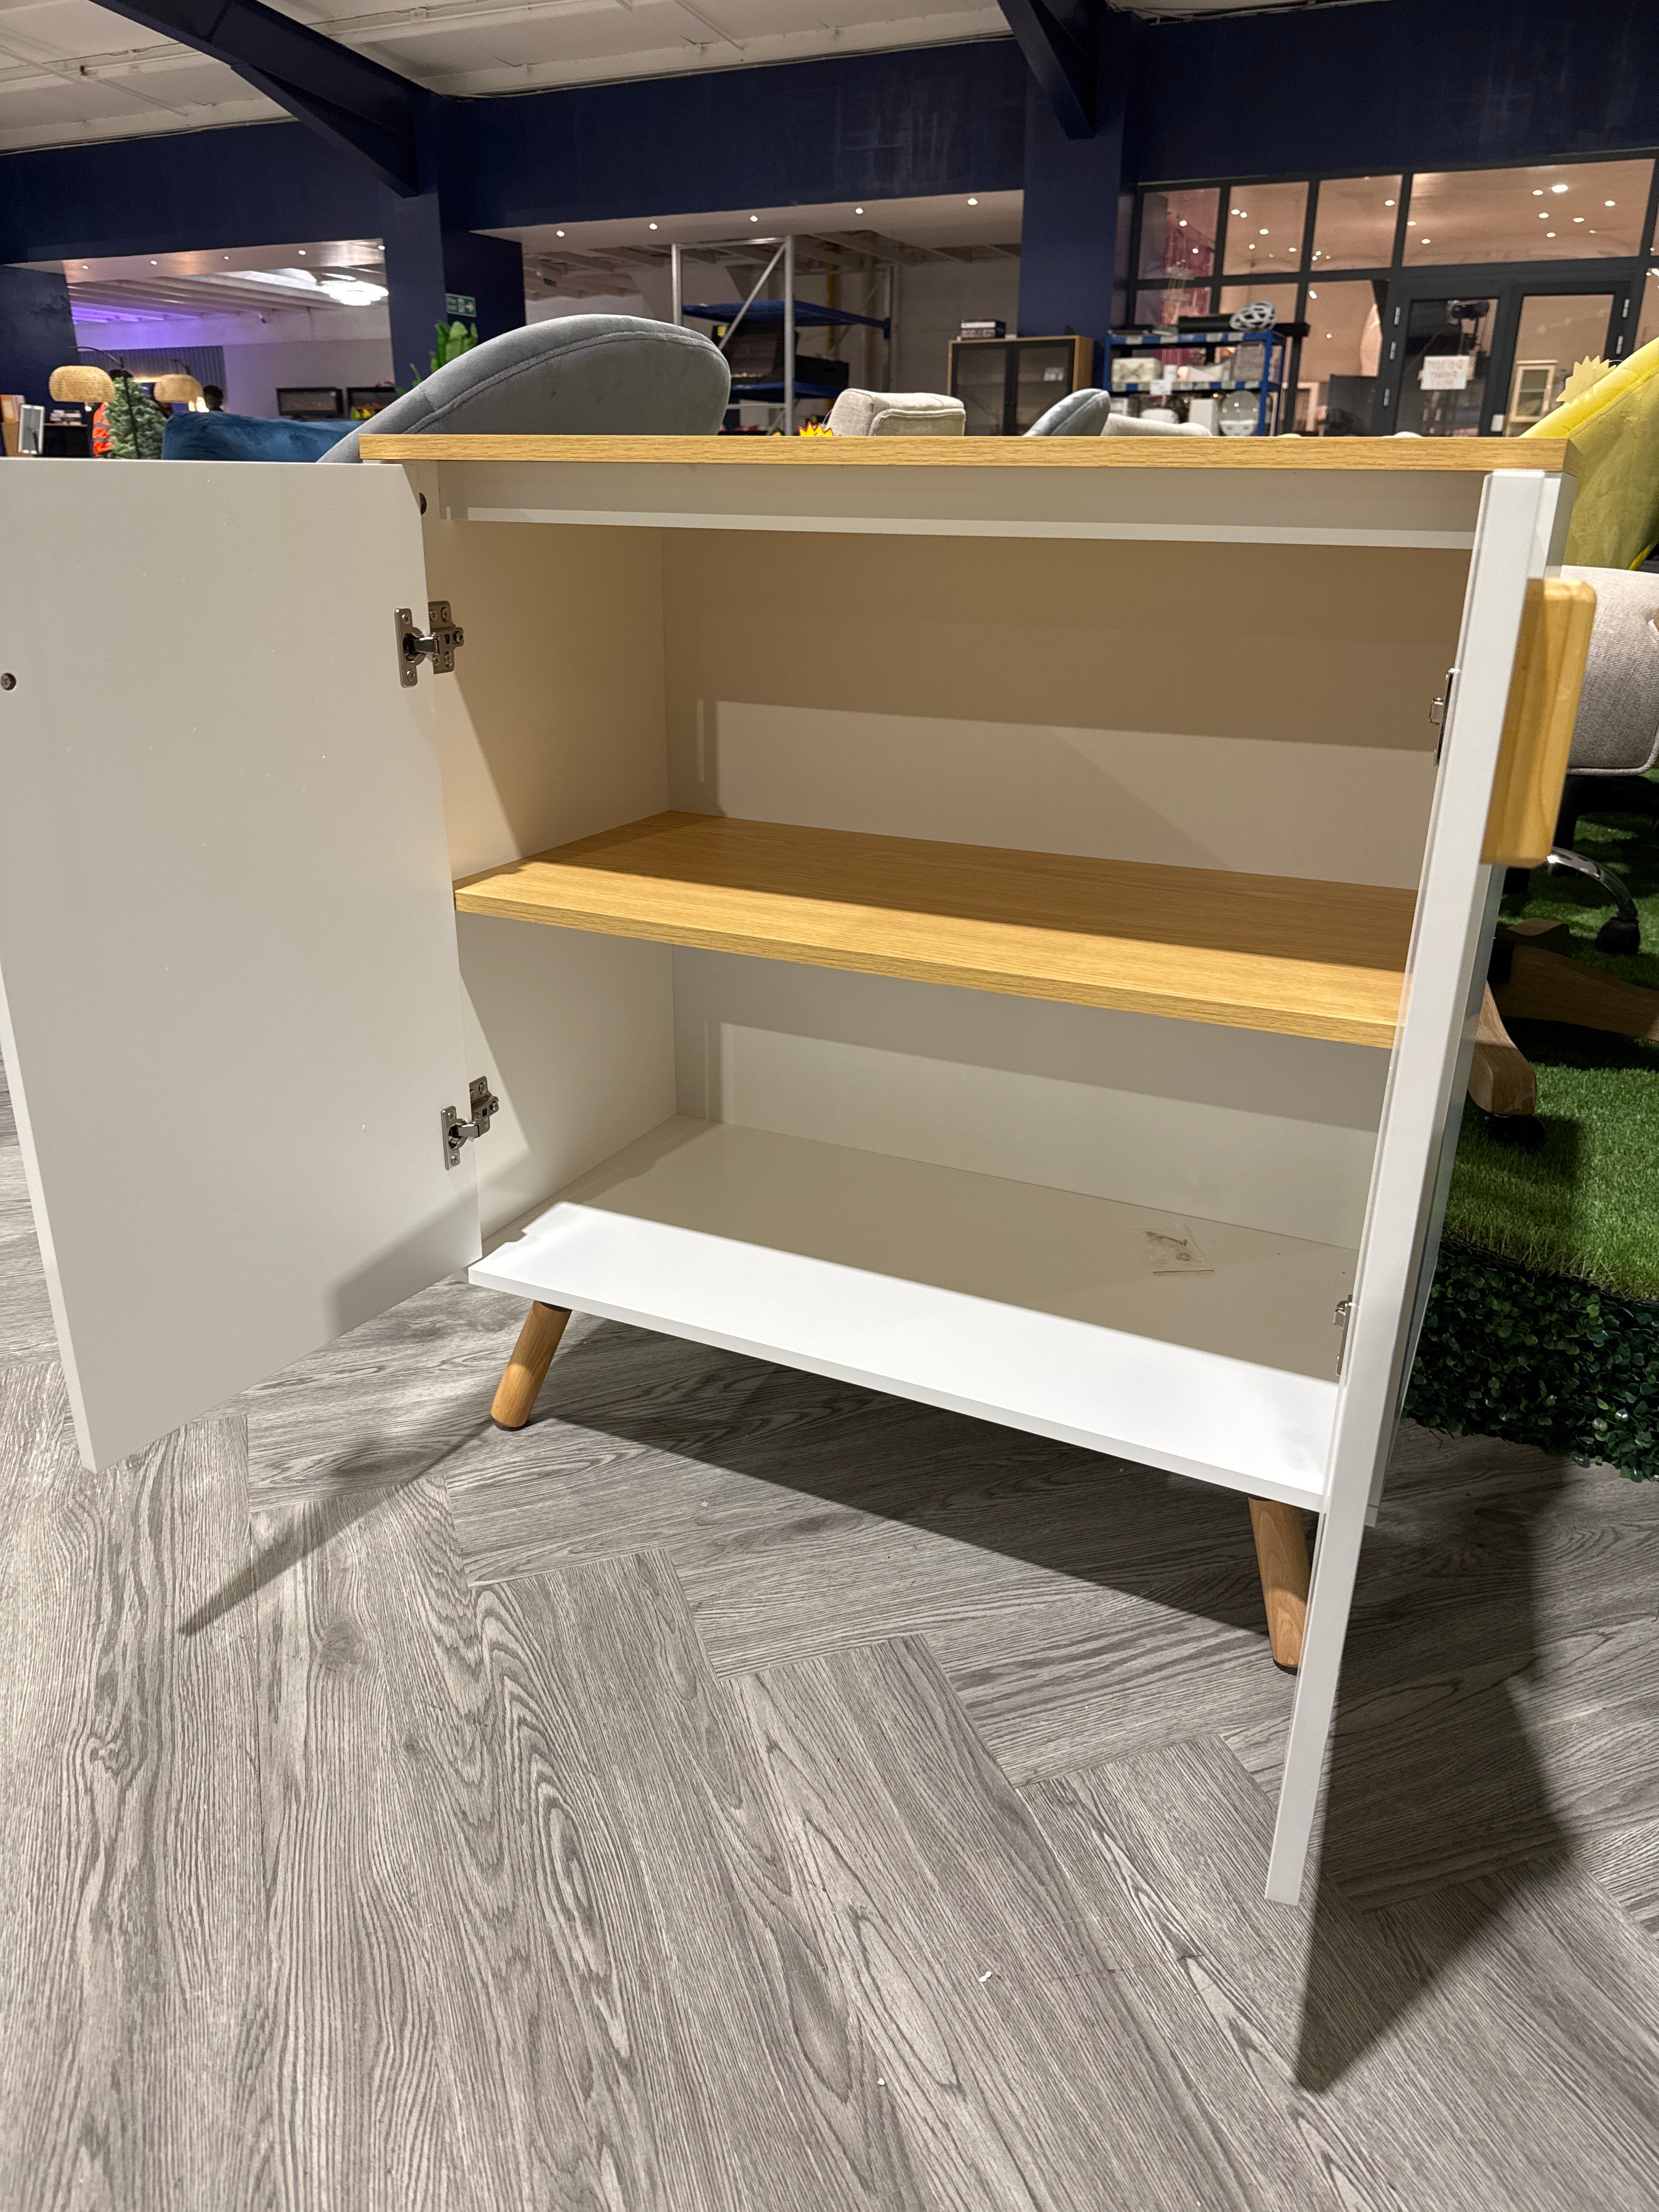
{"x": 327, "y": 277}
{"x": 70, "y": 71}
{"x": 330, "y": 280}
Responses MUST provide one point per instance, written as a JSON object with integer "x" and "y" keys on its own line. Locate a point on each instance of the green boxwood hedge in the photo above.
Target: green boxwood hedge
{"x": 1540, "y": 1359}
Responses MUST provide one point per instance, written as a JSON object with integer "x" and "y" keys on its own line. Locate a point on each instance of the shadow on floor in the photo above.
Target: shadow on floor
{"x": 1438, "y": 1810}
{"x": 1078, "y": 1515}
{"x": 1435, "y": 1783}
{"x": 1435, "y": 1780}
{"x": 307, "y": 1529}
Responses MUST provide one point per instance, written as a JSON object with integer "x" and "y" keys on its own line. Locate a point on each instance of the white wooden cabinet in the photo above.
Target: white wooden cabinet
{"x": 983, "y": 857}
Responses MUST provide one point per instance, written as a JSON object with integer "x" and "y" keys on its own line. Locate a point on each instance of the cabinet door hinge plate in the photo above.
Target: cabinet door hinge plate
{"x": 438, "y": 642}
{"x": 1341, "y": 1317}
{"x": 486, "y": 1106}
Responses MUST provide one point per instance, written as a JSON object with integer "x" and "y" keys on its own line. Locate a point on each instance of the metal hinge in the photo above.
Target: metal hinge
{"x": 439, "y": 644}
{"x": 486, "y": 1106}
{"x": 1341, "y": 1317}
{"x": 1441, "y": 709}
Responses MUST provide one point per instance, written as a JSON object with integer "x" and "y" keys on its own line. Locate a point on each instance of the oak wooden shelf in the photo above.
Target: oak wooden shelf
{"x": 1316, "y": 456}
{"x": 1262, "y": 952}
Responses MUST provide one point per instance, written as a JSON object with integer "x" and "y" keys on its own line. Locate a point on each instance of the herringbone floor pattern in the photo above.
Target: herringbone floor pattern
{"x": 740, "y": 1791}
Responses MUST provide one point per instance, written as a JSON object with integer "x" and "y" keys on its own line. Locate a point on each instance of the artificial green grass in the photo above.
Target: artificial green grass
{"x": 1586, "y": 1203}
{"x": 1543, "y": 1323}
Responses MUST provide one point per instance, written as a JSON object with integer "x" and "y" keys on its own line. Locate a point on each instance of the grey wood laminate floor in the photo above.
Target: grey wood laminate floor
{"x": 741, "y": 1793}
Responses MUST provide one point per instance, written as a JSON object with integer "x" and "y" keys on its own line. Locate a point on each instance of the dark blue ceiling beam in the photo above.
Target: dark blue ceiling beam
{"x": 367, "y": 111}
{"x": 1059, "y": 39}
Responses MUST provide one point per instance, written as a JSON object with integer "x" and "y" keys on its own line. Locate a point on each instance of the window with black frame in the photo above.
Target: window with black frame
{"x": 1446, "y": 303}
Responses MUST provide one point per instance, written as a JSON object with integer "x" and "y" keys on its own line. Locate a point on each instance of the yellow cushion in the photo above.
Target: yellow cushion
{"x": 1614, "y": 429}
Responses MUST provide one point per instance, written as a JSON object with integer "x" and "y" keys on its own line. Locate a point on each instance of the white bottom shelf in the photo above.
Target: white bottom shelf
{"x": 1006, "y": 1300}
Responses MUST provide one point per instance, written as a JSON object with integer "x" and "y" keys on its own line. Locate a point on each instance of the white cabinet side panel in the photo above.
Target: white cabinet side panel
{"x": 232, "y": 1011}
{"x": 1450, "y": 939}
{"x": 552, "y": 726}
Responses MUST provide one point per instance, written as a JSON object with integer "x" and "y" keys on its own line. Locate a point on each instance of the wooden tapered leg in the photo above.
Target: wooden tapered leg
{"x": 1281, "y": 1557}
{"x": 1501, "y": 1078}
{"x": 527, "y": 1372}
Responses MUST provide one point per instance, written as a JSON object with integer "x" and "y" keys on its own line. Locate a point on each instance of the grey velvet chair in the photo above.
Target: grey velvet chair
{"x": 1078, "y": 414}
{"x": 581, "y": 375}
{"x": 1088, "y": 414}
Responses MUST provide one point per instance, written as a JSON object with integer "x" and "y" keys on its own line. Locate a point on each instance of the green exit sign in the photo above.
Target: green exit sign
{"x": 461, "y": 303}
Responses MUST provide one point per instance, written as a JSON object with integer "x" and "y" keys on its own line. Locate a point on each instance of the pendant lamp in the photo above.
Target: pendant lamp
{"x": 79, "y": 381}
{"x": 177, "y": 390}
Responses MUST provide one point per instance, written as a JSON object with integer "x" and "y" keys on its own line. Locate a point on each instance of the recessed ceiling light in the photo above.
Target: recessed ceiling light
{"x": 1425, "y": 241}
{"x": 1549, "y": 233}
{"x": 1543, "y": 214}
{"x": 1538, "y": 192}
{"x": 1609, "y": 203}
{"x": 558, "y": 233}
{"x": 302, "y": 253}
{"x": 654, "y": 225}
{"x": 1182, "y": 224}
{"x": 154, "y": 262}
{"x": 1578, "y": 218}
{"x": 1387, "y": 203}
{"x": 1558, "y": 188}
{"x": 858, "y": 210}
{"x": 1264, "y": 230}
{"x": 754, "y": 218}
{"x": 972, "y": 202}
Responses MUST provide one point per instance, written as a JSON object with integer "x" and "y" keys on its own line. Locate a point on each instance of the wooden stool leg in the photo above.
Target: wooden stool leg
{"x": 527, "y": 1372}
{"x": 1281, "y": 1556}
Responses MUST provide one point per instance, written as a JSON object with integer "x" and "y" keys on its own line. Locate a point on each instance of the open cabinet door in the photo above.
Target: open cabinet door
{"x": 229, "y": 1000}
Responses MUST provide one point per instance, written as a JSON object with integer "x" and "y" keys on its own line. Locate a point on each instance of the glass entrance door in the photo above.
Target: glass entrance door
{"x": 1444, "y": 364}
{"x": 1489, "y": 357}
{"x": 1551, "y": 331}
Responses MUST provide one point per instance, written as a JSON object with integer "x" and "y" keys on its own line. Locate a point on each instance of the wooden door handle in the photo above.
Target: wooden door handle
{"x": 1538, "y": 722}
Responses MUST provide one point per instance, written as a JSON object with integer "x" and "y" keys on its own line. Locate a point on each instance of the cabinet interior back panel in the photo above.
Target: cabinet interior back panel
{"x": 1262, "y": 708}
{"x": 1272, "y": 1133}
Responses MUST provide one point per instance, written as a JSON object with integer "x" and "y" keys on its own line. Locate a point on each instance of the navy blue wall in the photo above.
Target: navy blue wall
{"x": 267, "y": 184}
{"x": 37, "y": 334}
{"x": 1396, "y": 84}
{"x": 1400, "y": 84}
{"x": 1077, "y": 211}
{"x": 872, "y": 126}
{"x": 940, "y": 119}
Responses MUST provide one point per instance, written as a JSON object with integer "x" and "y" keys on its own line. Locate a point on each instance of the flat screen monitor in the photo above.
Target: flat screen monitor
{"x": 310, "y": 403}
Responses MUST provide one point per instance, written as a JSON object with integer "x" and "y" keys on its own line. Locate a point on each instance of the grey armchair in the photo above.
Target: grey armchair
{"x": 582, "y": 375}
{"x": 1088, "y": 414}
